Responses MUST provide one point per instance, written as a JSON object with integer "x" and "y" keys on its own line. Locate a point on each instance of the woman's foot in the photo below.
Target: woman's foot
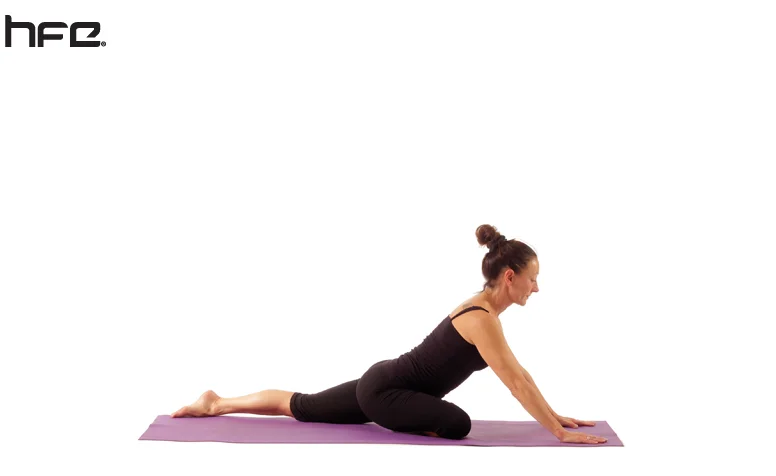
{"x": 204, "y": 406}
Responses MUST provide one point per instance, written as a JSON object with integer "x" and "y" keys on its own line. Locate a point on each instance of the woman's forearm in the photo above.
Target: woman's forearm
{"x": 530, "y": 380}
{"x": 529, "y": 397}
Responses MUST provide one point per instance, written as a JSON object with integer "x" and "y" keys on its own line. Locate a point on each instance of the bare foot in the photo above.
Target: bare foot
{"x": 204, "y": 406}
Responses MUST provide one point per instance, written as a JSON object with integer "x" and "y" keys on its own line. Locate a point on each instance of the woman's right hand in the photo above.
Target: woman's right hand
{"x": 579, "y": 437}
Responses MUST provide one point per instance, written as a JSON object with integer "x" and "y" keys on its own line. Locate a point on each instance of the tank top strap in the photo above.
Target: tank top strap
{"x": 470, "y": 308}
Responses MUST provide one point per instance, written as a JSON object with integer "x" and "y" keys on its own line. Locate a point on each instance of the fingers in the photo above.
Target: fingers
{"x": 567, "y": 422}
{"x": 584, "y": 438}
{"x": 583, "y": 422}
{"x": 594, "y": 439}
{"x": 574, "y": 423}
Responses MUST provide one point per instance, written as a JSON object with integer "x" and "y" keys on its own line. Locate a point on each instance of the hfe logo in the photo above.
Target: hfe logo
{"x": 42, "y": 35}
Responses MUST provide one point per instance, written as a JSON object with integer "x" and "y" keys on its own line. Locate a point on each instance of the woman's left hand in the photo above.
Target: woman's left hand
{"x": 573, "y": 422}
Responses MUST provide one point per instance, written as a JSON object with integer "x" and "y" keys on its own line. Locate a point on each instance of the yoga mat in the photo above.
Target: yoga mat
{"x": 238, "y": 429}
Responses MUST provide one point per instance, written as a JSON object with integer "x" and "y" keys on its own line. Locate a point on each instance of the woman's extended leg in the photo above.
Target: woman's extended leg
{"x": 334, "y": 405}
{"x": 266, "y": 402}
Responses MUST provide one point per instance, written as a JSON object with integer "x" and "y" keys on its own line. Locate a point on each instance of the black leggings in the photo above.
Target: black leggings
{"x": 380, "y": 397}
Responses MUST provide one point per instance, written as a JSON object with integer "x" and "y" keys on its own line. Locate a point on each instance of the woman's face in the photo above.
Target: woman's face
{"x": 524, "y": 284}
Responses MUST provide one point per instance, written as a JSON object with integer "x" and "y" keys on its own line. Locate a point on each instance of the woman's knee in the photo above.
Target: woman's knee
{"x": 457, "y": 427}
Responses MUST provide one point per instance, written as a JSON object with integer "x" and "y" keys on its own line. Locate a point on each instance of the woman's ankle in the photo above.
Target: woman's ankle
{"x": 218, "y": 408}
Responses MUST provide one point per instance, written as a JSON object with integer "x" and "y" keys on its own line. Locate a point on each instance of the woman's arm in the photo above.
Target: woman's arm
{"x": 487, "y": 336}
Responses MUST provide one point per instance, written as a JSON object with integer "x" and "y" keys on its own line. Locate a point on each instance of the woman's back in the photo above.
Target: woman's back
{"x": 443, "y": 360}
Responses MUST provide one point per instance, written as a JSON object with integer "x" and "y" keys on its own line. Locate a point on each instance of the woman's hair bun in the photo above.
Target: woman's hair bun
{"x": 488, "y": 235}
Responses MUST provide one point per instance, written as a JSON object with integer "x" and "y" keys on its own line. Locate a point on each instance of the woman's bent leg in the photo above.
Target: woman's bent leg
{"x": 408, "y": 411}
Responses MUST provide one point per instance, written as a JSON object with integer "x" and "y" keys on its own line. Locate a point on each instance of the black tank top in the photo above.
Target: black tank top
{"x": 442, "y": 361}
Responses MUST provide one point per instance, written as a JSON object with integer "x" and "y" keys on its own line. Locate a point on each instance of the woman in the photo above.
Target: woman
{"x": 405, "y": 394}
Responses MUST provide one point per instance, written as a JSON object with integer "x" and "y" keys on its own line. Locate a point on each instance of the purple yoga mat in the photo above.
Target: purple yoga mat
{"x": 249, "y": 429}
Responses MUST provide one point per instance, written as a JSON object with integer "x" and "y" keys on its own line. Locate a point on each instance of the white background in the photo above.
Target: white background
{"x": 247, "y": 195}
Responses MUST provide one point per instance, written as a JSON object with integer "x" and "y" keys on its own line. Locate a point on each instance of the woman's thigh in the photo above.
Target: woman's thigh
{"x": 337, "y": 404}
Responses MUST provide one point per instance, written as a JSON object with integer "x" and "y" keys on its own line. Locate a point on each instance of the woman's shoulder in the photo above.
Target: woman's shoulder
{"x": 466, "y": 314}
{"x": 473, "y": 305}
